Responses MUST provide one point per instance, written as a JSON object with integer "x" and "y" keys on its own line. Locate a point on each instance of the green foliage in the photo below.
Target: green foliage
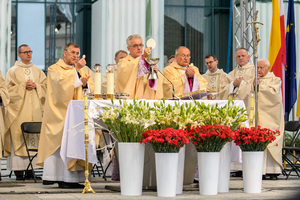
{"x": 288, "y": 138}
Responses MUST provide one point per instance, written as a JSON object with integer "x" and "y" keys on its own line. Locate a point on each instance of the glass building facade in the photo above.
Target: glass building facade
{"x": 47, "y": 25}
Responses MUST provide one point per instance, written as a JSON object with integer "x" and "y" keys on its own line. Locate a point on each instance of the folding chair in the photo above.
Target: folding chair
{"x": 291, "y": 153}
{"x": 99, "y": 152}
{"x": 30, "y": 128}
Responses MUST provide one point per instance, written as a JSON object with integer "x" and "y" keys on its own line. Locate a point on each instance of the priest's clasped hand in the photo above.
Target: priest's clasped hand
{"x": 30, "y": 85}
{"x": 190, "y": 72}
{"x": 237, "y": 82}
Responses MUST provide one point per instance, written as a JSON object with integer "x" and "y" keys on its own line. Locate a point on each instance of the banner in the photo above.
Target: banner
{"x": 277, "y": 47}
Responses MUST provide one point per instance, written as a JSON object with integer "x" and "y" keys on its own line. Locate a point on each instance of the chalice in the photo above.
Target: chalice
{"x": 152, "y": 74}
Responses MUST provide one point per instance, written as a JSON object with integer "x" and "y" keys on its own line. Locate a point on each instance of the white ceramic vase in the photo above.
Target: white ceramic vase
{"x": 131, "y": 164}
{"x": 166, "y": 174}
{"x": 224, "y": 168}
{"x": 208, "y": 169}
{"x": 252, "y": 171}
{"x": 180, "y": 171}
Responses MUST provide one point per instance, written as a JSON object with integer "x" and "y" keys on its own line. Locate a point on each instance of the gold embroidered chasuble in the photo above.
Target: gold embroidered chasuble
{"x": 60, "y": 91}
{"x": 241, "y": 93}
{"x": 24, "y": 106}
{"x": 5, "y": 100}
{"x": 128, "y": 83}
{"x": 175, "y": 74}
{"x": 270, "y": 115}
{"x": 216, "y": 81}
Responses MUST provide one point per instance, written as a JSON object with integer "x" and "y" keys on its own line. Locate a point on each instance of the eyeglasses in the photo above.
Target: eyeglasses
{"x": 185, "y": 56}
{"x": 138, "y": 45}
{"x": 73, "y": 52}
{"x": 210, "y": 62}
{"x": 26, "y": 52}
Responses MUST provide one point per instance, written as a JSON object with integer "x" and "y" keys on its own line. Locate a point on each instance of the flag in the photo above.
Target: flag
{"x": 277, "y": 48}
{"x": 290, "y": 71}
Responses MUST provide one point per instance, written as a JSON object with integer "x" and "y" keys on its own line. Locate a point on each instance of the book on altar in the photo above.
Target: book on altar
{"x": 198, "y": 94}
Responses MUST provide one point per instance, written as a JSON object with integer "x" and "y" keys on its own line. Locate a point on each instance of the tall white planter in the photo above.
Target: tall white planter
{"x": 166, "y": 174}
{"x": 208, "y": 169}
{"x": 252, "y": 171}
{"x": 131, "y": 163}
{"x": 180, "y": 171}
{"x": 224, "y": 168}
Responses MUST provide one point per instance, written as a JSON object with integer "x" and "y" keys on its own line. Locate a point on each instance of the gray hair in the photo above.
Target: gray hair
{"x": 266, "y": 61}
{"x": 242, "y": 48}
{"x": 177, "y": 50}
{"x": 128, "y": 41}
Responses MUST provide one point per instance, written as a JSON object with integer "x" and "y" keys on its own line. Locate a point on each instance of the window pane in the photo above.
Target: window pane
{"x": 174, "y": 2}
{"x": 198, "y": 3}
{"x": 196, "y": 35}
{"x": 59, "y": 29}
{"x": 174, "y": 29}
{"x": 13, "y": 33}
{"x": 31, "y": 30}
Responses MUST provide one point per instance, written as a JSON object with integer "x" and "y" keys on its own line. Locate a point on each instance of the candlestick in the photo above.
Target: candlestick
{"x": 87, "y": 184}
{"x": 110, "y": 80}
{"x": 251, "y": 114}
{"x": 97, "y": 81}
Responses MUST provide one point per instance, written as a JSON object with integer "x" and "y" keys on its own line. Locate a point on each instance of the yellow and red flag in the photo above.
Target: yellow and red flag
{"x": 277, "y": 47}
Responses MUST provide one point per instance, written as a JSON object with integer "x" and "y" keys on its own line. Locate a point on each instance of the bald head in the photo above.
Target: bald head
{"x": 182, "y": 56}
{"x": 242, "y": 56}
{"x": 263, "y": 66}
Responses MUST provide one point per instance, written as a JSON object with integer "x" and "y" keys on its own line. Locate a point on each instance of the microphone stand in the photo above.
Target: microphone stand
{"x": 173, "y": 91}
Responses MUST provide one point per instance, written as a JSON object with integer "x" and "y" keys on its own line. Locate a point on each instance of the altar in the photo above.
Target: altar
{"x": 73, "y": 146}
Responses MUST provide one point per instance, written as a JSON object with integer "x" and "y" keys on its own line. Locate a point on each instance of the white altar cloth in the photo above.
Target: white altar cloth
{"x": 73, "y": 146}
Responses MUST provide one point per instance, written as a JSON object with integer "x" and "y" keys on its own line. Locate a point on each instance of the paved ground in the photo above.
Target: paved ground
{"x": 23, "y": 190}
{"x": 29, "y": 190}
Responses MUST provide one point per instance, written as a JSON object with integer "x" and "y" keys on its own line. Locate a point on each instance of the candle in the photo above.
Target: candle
{"x": 110, "y": 80}
{"x": 110, "y": 83}
{"x": 97, "y": 81}
{"x": 251, "y": 114}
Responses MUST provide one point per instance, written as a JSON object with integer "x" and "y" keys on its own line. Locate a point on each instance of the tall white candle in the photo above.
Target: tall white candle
{"x": 110, "y": 83}
{"x": 97, "y": 83}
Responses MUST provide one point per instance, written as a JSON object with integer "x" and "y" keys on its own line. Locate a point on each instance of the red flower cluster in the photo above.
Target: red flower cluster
{"x": 210, "y": 138}
{"x": 165, "y": 140}
{"x": 254, "y": 138}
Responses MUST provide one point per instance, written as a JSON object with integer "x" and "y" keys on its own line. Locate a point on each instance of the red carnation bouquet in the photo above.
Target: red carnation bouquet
{"x": 210, "y": 138}
{"x": 254, "y": 138}
{"x": 167, "y": 140}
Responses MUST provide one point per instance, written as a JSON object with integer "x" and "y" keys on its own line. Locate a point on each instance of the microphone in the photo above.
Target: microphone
{"x": 173, "y": 91}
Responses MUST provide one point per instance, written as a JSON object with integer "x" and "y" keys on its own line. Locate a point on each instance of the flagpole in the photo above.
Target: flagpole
{"x": 256, "y": 39}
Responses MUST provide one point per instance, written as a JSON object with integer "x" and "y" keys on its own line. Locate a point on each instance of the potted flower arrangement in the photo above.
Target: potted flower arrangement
{"x": 128, "y": 121}
{"x": 230, "y": 115}
{"x": 166, "y": 144}
{"x": 209, "y": 140}
{"x": 253, "y": 141}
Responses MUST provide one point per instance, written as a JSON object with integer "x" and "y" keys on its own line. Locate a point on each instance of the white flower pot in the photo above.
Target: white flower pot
{"x": 166, "y": 174}
{"x": 252, "y": 171}
{"x": 180, "y": 171}
{"x": 131, "y": 163}
{"x": 208, "y": 169}
{"x": 224, "y": 168}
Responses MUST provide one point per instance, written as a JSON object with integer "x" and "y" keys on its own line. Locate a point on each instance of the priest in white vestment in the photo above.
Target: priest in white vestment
{"x": 241, "y": 83}
{"x": 270, "y": 115}
{"x": 26, "y": 84}
{"x": 215, "y": 77}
